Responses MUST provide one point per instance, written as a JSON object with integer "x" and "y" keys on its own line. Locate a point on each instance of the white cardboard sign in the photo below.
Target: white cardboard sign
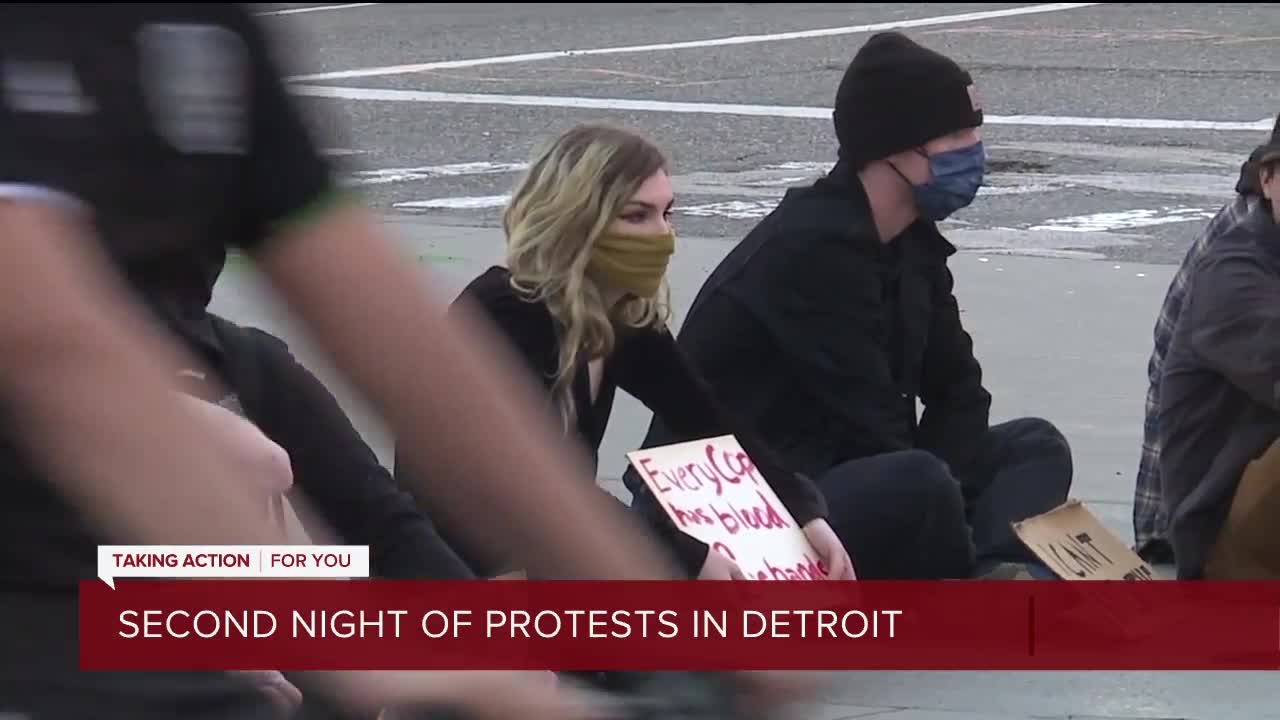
{"x": 712, "y": 491}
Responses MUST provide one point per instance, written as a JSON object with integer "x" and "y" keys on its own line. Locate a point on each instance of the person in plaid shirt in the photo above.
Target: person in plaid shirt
{"x": 1150, "y": 521}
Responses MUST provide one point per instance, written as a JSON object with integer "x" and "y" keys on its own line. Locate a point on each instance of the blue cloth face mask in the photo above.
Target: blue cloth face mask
{"x": 955, "y": 177}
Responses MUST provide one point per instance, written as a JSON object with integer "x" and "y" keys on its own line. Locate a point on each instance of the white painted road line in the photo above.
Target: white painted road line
{"x": 732, "y": 209}
{"x": 737, "y": 209}
{"x": 782, "y": 111}
{"x": 393, "y": 175}
{"x": 315, "y": 8}
{"x": 1135, "y": 123}
{"x": 1127, "y": 219}
{"x": 587, "y": 103}
{"x": 754, "y": 209}
{"x": 712, "y": 42}
{"x": 1001, "y": 190}
{"x": 478, "y": 202}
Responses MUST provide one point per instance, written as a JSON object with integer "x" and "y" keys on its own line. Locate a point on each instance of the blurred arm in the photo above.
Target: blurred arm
{"x": 89, "y": 383}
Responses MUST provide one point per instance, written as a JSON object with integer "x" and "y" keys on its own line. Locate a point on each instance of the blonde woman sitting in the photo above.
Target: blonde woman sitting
{"x": 583, "y": 300}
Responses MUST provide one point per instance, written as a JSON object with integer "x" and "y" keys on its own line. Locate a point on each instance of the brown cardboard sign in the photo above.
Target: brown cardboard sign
{"x": 1076, "y": 546}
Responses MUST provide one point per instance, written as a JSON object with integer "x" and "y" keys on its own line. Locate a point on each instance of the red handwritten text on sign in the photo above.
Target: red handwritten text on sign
{"x": 713, "y": 491}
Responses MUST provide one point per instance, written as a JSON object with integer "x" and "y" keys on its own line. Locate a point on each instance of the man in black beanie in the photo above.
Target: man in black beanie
{"x": 829, "y": 321}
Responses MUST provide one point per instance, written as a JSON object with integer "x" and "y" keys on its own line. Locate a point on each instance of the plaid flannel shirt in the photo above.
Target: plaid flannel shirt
{"x": 1150, "y": 522}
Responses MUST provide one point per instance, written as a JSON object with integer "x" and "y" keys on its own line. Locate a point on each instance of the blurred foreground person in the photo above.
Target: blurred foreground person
{"x": 133, "y": 141}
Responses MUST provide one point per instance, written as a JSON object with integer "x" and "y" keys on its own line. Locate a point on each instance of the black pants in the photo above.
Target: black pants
{"x": 40, "y": 675}
{"x": 907, "y": 516}
{"x": 1023, "y": 469}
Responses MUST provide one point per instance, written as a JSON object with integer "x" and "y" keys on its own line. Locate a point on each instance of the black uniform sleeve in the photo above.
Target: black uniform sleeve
{"x": 653, "y": 368}
{"x": 341, "y": 475}
{"x": 956, "y": 405}
{"x": 26, "y": 171}
{"x": 289, "y": 181}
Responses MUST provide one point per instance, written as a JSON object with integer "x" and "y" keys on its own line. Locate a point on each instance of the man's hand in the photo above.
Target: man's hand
{"x": 719, "y": 567}
{"x": 825, "y": 542}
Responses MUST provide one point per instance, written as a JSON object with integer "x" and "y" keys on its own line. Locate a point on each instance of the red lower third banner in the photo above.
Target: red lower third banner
{"x": 373, "y": 624}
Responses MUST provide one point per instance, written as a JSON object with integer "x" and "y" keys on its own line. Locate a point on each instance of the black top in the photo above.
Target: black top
{"x": 338, "y": 473}
{"x": 823, "y": 338}
{"x": 1220, "y": 386}
{"x": 170, "y": 124}
{"x": 649, "y": 365}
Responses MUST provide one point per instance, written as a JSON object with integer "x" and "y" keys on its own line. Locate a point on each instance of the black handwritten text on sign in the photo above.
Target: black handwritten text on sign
{"x": 1076, "y": 554}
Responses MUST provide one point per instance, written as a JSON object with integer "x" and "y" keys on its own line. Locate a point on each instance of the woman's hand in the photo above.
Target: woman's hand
{"x": 719, "y": 567}
{"x": 830, "y": 550}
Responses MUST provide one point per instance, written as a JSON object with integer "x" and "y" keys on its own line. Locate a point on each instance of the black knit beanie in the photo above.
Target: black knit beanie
{"x": 896, "y": 95}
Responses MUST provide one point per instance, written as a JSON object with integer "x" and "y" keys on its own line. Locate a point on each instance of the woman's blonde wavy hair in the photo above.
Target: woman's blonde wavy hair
{"x": 573, "y": 191}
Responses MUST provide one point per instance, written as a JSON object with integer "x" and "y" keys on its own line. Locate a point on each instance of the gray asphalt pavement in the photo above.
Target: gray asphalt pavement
{"x": 1066, "y": 254}
{"x": 1075, "y": 354}
{"x": 1057, "y": 187}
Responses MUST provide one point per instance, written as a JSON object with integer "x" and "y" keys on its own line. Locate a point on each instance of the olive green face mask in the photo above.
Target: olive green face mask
{"x": 632, "y": 263}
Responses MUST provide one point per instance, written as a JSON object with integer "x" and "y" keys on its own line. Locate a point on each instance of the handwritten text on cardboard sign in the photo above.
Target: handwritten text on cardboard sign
{"x": 712, "y": 491}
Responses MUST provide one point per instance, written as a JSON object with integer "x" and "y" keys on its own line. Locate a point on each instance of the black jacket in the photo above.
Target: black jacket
{"x": 1220, "y": 387}
{"x": 823, "y": 338}
{"x": 648, "y": 364}
{"x": 333, "y": 467}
